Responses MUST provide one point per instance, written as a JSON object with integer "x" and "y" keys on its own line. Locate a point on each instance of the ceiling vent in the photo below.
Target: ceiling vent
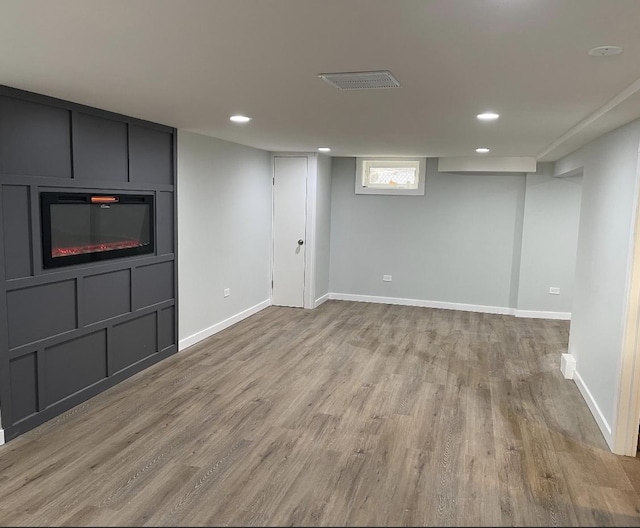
{"x": 361, "y": 80}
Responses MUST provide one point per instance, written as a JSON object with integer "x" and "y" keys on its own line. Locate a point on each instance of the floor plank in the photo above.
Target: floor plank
{"x": 352, "y": 414}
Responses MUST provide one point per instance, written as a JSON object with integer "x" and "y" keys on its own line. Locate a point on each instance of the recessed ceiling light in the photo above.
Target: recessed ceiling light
{"x": 488, "y": 116}
{"x": 605, "y": 50}
{"x": 324, "y": 149}
{"x": 482, "y": 150}
{"x": 240, "y": 119}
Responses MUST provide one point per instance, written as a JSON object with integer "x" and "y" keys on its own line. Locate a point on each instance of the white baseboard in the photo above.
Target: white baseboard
{"x": 322, "y": 299}
{"x": 501, "y": 310}
{"x": 604, "y": 426}
{"x": 423, "y": 303}
{"x": 214, "y": 329}
{"x": 566, "y": 316}
{"x": 1, "y": 436}
{"x": 568, "y": 365}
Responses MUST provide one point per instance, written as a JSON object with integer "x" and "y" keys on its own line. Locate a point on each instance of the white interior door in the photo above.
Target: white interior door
{"x": 289, "y": 222}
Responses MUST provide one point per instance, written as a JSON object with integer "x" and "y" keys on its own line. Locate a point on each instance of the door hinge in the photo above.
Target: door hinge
{"x": 271, "y": 283}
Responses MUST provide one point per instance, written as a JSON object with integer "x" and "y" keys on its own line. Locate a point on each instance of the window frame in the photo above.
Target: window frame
{"x": 361, "y": 163}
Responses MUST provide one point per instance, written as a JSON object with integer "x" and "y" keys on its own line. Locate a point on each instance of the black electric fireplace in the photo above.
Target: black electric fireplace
{"x": 87, "y": 227}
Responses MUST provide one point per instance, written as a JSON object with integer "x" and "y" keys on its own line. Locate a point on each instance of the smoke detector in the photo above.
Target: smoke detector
{"x": 605, "y": 50}
{"x": 361, "y": 80}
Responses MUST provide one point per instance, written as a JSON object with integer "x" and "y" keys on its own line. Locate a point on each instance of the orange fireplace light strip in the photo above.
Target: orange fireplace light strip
{"x": 104, "y": 199}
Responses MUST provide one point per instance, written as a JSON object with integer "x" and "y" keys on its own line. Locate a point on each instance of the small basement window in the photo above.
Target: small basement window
{"x": 390, "y": 176}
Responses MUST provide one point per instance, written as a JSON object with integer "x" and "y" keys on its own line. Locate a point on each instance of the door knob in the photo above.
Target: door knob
{"x": 300, "y": 242}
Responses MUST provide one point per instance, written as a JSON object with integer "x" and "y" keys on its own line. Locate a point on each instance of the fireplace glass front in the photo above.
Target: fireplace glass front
{"x": 83, "y": 227}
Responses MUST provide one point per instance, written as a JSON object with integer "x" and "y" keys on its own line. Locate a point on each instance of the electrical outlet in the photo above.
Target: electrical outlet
{"x": 386, "y": 278}
{"x": 227, "y": 292}
{"x": 553, "y": 290}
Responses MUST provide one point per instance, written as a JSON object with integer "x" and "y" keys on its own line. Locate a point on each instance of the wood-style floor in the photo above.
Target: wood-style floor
{"x": 352, "y": 414}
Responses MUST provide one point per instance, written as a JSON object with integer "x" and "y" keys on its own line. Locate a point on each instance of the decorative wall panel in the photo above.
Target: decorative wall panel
{"x": 71, "y": 332}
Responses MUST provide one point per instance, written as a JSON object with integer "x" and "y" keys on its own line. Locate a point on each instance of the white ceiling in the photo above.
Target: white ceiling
{"x": 192, "y": 63}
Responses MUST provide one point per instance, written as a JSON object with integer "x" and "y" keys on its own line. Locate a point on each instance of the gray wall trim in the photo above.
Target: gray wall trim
{"x": 81, "y": 185}
{"x": 71, "y": 106}
{"x": 24, "y": 425}
{"x": 176, "y": 335}
{"x": 110, "y": 369}
{"x": 28, "y": 348}
{"x": 85, "y": 271}
{"x": 41, "y": 379}
{"x": 6, "y": 413}
{"x": 36, "y": 250}
{"x": 80, "y": 302}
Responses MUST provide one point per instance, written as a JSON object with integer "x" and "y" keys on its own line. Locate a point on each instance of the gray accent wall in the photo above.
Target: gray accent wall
{"x": 457, "y": 243}
{"x": 323, "y": 226}
{"x": 69, "y": 333}
{"x": 224, "y": 198}
{"x": 549, "y": 241}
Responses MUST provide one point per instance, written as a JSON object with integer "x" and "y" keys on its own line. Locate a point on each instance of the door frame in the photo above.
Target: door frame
{"x": 310, "y": 224}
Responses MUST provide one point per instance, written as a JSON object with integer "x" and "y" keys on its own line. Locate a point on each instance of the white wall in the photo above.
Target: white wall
{"x": 456, "y": 244}
{"x": 323, "y": 226}
{"x": 601, "y": 281}
{"x": 224, "y": 233}
{"x": 549, "y": 241}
